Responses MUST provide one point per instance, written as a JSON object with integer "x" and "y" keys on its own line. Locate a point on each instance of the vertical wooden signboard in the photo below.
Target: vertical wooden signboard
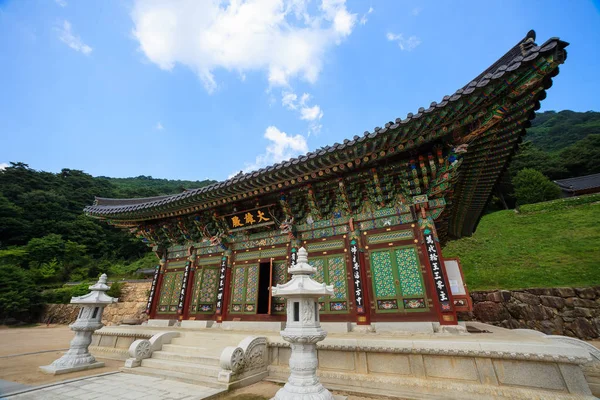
{"x": 358, "y": 284}
{"x": 152, "y": 290}
{"x": 437, "y": 271}
{"x": 221, "y": 289}
{"x": 184, "y": 285}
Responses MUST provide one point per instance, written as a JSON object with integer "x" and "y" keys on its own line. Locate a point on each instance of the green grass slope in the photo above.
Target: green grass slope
{"x": 550, "y": 244}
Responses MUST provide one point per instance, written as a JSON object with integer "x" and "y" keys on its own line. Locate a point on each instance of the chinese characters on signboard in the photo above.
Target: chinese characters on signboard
{"x": 152, "y": 289}
{"x": 221, "y": 288}
{"x": 249, "y": 219}
{"x": 358, "y": 288}
{"x": 437, "y": 271}
{"x": 184, "y": 284}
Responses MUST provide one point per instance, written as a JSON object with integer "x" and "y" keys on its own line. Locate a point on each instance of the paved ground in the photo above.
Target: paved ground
{"x": 119, "y": 386}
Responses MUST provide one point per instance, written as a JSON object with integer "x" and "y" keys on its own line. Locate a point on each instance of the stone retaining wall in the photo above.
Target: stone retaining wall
{"x": 571, "y": 312}
{"x": 132, "y": 304}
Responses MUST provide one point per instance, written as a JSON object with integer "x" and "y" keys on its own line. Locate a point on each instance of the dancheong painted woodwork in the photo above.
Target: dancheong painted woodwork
{"x": 371, "y": 211}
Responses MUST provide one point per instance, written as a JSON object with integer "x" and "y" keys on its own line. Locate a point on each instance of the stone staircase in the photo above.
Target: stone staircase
{"x": 193, "y": 357}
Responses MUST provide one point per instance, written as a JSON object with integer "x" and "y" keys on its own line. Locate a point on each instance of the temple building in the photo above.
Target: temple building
{"x": 372, "y": 211}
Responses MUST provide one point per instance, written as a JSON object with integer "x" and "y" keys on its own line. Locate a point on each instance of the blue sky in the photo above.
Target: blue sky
{"x": 198, "y": 89}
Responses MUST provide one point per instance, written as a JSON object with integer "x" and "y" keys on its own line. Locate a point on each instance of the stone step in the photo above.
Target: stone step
{"x": 182, "y": 349}
{"x": 178, "y": 366}
{"x": 177, "y": 376}
{"x": 183, "y": 357}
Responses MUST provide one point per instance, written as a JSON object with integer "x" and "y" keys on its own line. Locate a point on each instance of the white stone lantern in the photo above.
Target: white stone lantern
{"x": 303, "y": 331}
{"x": 89, "y": 319}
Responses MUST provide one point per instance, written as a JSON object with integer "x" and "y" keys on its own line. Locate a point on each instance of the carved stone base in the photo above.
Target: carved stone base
{"x": 313, "y": 392}
{"x": 54, "y": 370}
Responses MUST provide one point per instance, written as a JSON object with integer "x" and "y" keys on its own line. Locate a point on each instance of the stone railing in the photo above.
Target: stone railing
{"x": 143, "y": 348}
{"x": 567, "y": 311}
{"x": 244, "y": 364}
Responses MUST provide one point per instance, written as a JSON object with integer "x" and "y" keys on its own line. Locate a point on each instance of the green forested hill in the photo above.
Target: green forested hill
{"x": 146, "y": 186}
{"x": 43, "y": 229}
{"x": 552, "y": 131}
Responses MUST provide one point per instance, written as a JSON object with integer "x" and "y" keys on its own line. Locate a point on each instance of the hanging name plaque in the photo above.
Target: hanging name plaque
{"x": 437, "y": 271}
{"x": 248, "y": 219}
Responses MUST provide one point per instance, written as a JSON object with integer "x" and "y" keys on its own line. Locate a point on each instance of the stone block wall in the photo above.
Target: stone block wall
{"x": 132, "y": 304}
{"x": 571, "y": 312}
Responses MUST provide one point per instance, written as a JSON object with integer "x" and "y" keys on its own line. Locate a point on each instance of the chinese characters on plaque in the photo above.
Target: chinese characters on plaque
{"x": 221, "y": 288}
{"x": 152, "y": 289}
{"x": 358, "y": 288}
{"x": 437, "y": 271}
{"x": 249, "y": 219}
{"x": 186, "y": 275}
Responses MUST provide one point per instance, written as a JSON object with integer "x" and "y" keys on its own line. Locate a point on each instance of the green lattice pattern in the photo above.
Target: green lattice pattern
{"x": 337, "y": 277}
{"x": 279, "y": 277}
{"x": 252, "y": 286}
{"x": 390, "y": 236}
{"x": 239, "y": 279}
{"x": 409, "y": 271}
{"x": 331, "y": 270}
{"x": 318, "y": 263}
{"x": 210, "y": 280}
{"x": 247, "y": 255}
{"x": 326, "y": 245}
{"x": 169, "y": 292}
{"x": 276, "y": 252}
{"x": 383, "y": 274}
{"x": 176, "y": 264}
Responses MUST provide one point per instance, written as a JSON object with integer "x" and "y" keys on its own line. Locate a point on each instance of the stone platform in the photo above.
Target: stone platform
{"x": 501, "y": 364}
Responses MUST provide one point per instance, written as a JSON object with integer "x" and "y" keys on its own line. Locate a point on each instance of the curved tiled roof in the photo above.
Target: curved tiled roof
{"x": 520, "y": 58}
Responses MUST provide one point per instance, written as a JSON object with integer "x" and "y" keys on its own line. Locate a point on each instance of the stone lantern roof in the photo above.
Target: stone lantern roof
{"x": 97, "y": 295}
{"x": 301, "y": 284}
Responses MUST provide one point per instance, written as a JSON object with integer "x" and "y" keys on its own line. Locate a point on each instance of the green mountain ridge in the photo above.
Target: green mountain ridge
{"x": 553, "y": 131}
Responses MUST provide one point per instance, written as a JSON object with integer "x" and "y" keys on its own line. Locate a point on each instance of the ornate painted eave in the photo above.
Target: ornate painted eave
{"x": 489, "y": 115}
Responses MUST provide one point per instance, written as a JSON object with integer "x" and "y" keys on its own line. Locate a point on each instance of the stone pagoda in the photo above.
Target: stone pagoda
{"x": 89, "y": 319}
{"x": 303, "y": 331}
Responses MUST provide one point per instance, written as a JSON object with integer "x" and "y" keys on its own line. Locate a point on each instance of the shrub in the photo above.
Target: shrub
{"x": 115, "y": 289}
{"x": 532, "y": 186}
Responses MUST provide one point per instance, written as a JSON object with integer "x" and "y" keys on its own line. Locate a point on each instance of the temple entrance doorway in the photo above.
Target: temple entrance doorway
{"x": 264, "y": 284}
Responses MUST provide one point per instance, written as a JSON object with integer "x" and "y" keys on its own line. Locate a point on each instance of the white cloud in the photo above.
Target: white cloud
{"x": 61, "y": 3}
{"x": 416, "y": 11}
{"x": 311, "y": 113}
{"x": 281, "y": 147}
{"x": 159, "y": 126}
{"x": 288, "y": 100}
{"x": 278, "y": 36}
{"x": 66, "y": 36}
{"x": 407, "y": 44}
{"x": 3, "y": 166}
{"x": 363, "y": 19}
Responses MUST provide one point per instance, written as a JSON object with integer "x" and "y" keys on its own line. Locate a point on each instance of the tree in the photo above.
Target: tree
{"x": 19, "y": 298}
{"x": 583, "y": 157}
{"x": 532, "y": 186}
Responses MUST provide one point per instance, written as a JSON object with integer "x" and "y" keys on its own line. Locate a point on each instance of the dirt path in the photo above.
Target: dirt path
{"x": 24, "y": 368}
{"x": 29, "y": 340}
